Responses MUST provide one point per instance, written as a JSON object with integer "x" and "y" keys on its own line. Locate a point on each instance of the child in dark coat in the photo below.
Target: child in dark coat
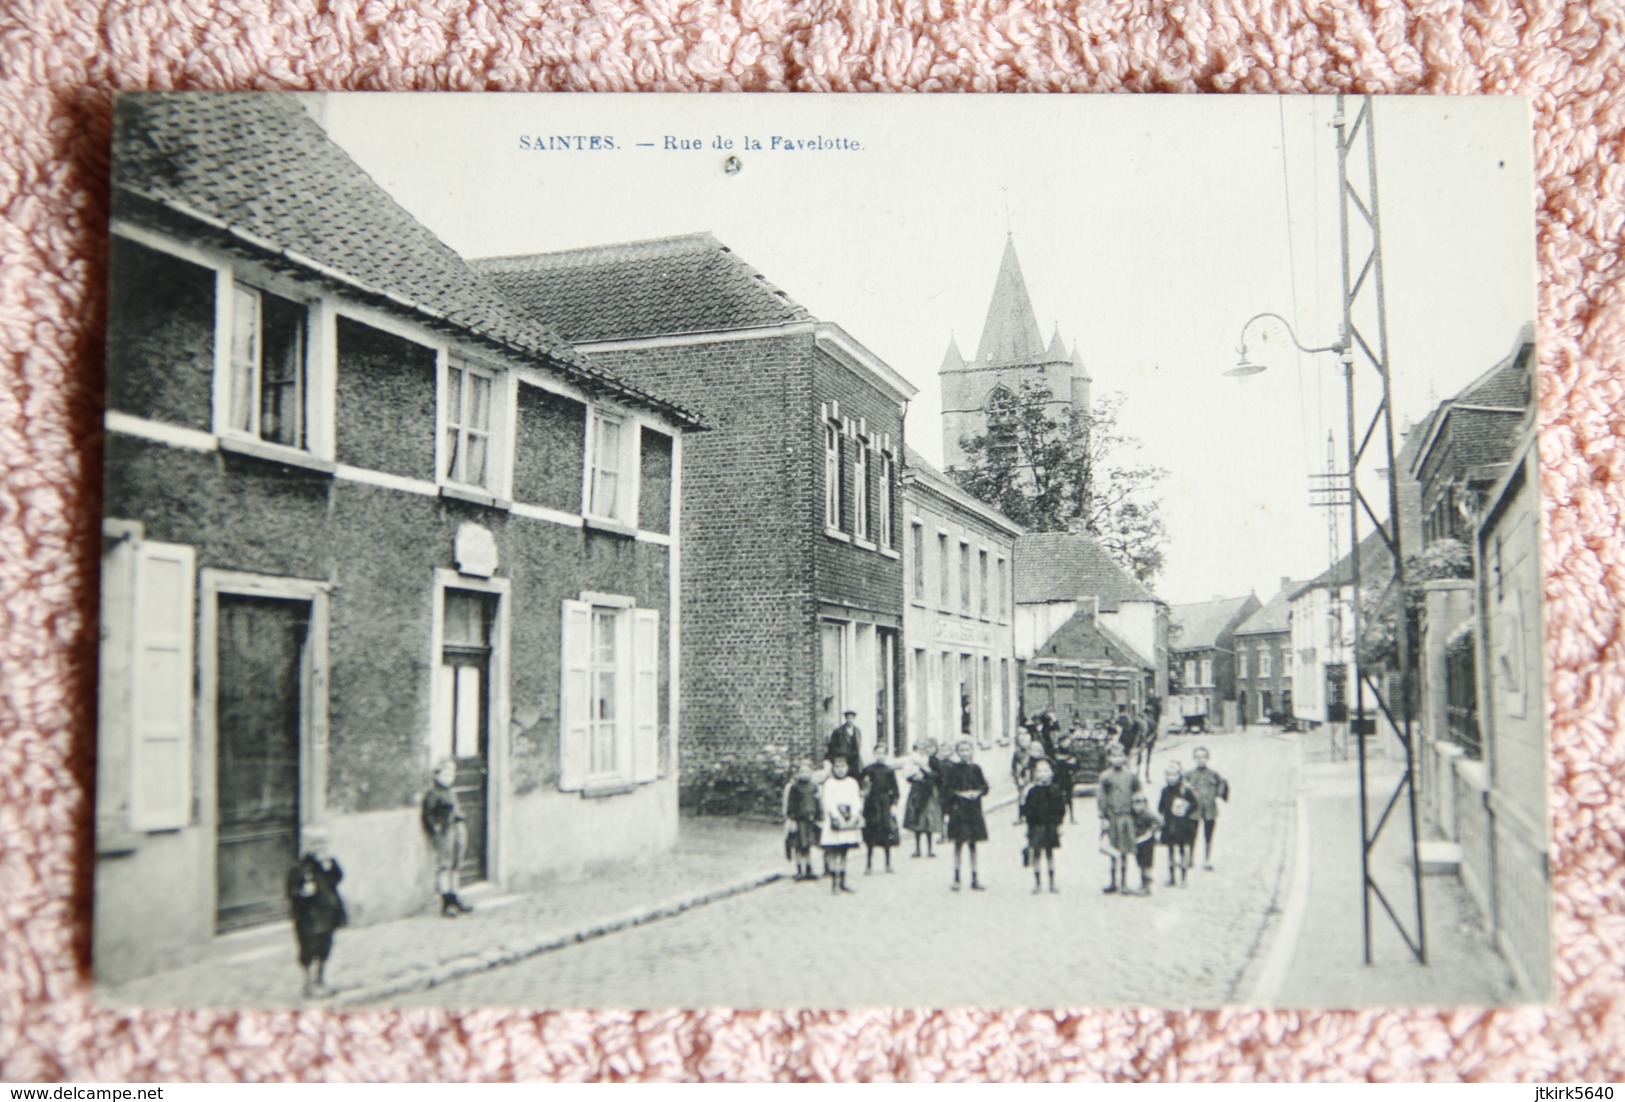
{"x": 880, "y": 796}
{"x": 801, "y": 814}
{"x": 313, "y": 898}
{"x": 1178, "y": 808}
{"x": 1044, "y": 808}
{"x": 923, "y": 813}
{"x": 963, "y": 786}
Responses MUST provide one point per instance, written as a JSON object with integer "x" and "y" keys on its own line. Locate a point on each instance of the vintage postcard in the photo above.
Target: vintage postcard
{"x": 821, "y": 551}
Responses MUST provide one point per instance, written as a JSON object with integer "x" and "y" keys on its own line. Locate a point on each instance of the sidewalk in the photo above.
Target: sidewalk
{"x": 714, "y": 858}
{"x": 1318, "y": 958}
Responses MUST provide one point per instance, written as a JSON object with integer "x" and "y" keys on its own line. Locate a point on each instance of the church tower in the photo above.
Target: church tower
{"x": 1012, "y": 351}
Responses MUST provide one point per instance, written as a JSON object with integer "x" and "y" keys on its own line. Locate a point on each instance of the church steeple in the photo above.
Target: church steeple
{"x": 1010, "y": 334}
{"x": 952, "y": 360}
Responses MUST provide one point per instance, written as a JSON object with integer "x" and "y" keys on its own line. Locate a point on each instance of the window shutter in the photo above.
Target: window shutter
{"x": 161, "y": 687}
{"x": 575, "y": 696}
{"x": 646, "y": 694}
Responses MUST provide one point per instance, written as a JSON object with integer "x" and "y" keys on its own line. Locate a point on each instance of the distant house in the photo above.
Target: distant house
{"x": 1463, "y": 446}
{"x": 1083, "y": 673}
{"x": 361, "y": 516}
{"x": 790, "y": 557}
{"x": 1059, "y": 574}
{"x": 1202, "y": 650}
{"x": 1323, "y": 633}
{"x": 1263, "y": 645}
{"x": 959, "y": 613}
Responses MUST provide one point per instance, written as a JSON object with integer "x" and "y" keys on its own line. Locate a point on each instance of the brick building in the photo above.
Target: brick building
{"x": 958, "y": 622}
{"x": 791, "y": 564}
{"x": 1264, "y": 660}
{"x": 1202, "y": 647}
{"x": 360, "y": 516}
{"x": 1062, "y": 574}
{"x": 1083, "y": 672}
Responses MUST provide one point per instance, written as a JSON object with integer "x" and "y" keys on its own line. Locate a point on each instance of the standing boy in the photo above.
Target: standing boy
{"x": 448, "y": 829}
{"x": 1115, "y": 802}
{"x": 1210, "y": 788}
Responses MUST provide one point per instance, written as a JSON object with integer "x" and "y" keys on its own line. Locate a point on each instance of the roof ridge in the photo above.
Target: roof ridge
{"x": 672, "y": 245}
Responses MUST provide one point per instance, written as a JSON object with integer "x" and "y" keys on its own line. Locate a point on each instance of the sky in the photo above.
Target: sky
{"x": 1149, "y": 230}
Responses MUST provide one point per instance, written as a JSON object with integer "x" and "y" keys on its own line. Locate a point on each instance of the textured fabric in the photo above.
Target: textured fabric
{"x": 59, "y": 62}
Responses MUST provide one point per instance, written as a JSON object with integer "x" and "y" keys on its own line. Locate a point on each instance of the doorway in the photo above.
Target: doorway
{"x": 262, "y": 704}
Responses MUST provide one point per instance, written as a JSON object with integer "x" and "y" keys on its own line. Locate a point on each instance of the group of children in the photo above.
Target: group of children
{"x": 317, "y": 908}
{"x": 825, "y": 807}
{"x": 1129, "y": 829}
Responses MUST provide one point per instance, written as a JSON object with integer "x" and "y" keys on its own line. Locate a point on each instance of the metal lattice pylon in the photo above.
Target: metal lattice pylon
{"x": 1363, "y": 288}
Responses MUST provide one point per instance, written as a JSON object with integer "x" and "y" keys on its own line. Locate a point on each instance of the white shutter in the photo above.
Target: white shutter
{"x": 575, "y": 696}
{"x": 645, "y": 694}
{"x": 161, "y": 697}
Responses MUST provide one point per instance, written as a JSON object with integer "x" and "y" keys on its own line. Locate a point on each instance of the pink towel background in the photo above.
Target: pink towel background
{"x": 61, "y": 59}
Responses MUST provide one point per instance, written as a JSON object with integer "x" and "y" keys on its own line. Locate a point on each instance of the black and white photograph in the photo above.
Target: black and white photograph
{"x": 827, "y": 551}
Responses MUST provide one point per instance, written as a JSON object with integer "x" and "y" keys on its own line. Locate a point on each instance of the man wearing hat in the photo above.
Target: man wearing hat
{"x": 844, "y": 742}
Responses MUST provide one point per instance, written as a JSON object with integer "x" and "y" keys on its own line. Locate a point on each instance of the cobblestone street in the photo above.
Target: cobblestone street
{"x": 905, "y": 939}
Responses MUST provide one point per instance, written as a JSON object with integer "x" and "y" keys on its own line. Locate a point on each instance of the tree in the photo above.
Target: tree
{"x": 1066, "y": 470}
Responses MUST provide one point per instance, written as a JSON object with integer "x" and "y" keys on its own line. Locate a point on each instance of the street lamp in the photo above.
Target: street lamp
{"x": 1245, "y": 367}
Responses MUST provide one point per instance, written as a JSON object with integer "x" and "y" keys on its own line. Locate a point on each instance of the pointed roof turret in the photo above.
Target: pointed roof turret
{"x": 1077, "y": 362}
{"x": 1010, "y": 333}
{"x": 952, "y": 360}
{"x": 1057, "y": 347}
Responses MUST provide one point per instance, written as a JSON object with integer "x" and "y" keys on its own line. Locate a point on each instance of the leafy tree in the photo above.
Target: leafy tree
{"x": 1068, "y": 470}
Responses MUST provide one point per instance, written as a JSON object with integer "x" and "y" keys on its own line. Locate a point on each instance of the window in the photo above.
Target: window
{"x": 832, "y": 476}
{"x": 1004, "y": 589}
{"x": 1264, "y": 664}
{"x": 917, "y": 549}
{"x": 945, "y": 567}
{"x": 964, "y": 578}
{"x": 610, "y": 698}
{"x": 611, "y": 453}
{"x": 604, "y": 699}
{"x": 981, "y": 584}
{"x": 1190, "y": 671}
{"x": 1241, "y": 665}
{"x": 267, "y": 376}
{"x": 1207, "y": 671}
{"x": 883, "y": 479}
{"x": 468, "y": 422}
{"x": 860, "y": 491}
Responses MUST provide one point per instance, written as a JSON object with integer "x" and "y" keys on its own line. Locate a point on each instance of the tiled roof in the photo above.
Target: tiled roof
{"x": 1064, "y": 566}
{"x": 1376, "y": 567}
{"x": 1275, "y": 616}
{"x": 662, "y": 287}
{"x": 1202, "y": 625}
{"x": 915, "y": 464}
{"x": 258, "y": 170}
{"x": 1083, "y": 639}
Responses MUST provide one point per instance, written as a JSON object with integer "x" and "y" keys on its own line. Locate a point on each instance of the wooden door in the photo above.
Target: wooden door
{"x": 260, "y": 718}
{"x": 465, "y": 700}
